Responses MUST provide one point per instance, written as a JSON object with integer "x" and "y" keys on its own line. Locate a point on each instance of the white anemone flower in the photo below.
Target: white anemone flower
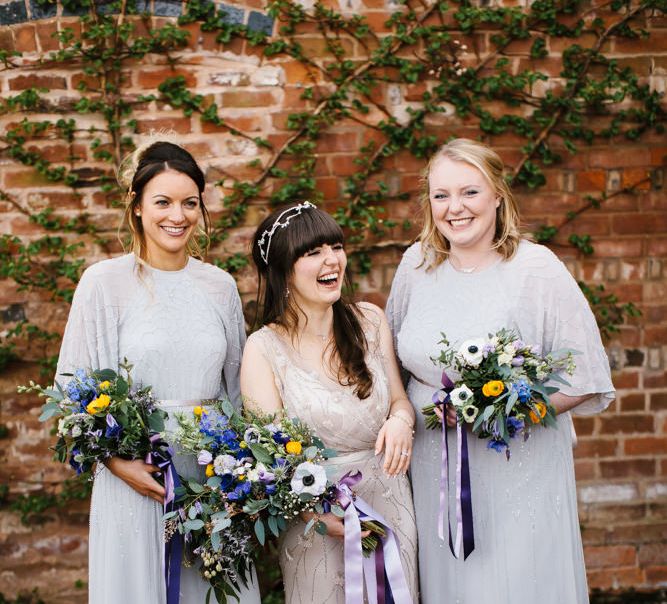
{"x": 472, "y": 351}
{"x": 461, "y": 396}
{"x": 309, "y": 478}
{"x": 224, "y": 464}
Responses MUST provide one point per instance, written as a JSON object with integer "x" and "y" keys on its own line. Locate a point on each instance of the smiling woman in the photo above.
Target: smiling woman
{"x": 330, "y": 363}
{"x": 178, "y": 321}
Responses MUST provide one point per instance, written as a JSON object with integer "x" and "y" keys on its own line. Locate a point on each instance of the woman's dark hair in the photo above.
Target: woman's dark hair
{"x": 306, "y": 231}
{"x": 139, "y": 169}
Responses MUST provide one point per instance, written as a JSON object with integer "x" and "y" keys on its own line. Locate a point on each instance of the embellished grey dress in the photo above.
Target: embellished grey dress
{"x": 527, "y": 538}
{"x": 183, "y": 331}
{"x": 312, "y": 565}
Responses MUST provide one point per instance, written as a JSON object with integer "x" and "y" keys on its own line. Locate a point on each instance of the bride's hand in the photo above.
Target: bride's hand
{"x": 138, "y": 475}
{"x": 395, "y": 437}
{"x": 451, "y": 415}
{"x": 335, "y": 525}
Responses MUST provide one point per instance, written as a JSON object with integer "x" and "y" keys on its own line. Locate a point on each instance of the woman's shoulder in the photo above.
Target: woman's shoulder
{"x": 413, "y": 256}
{"x": 107, "y": 272}
{"x": 213, "y": 277}
{"x": 530, "y": 254}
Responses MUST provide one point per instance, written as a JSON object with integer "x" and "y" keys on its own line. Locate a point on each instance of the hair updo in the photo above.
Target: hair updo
{"x": 138, "y": 169}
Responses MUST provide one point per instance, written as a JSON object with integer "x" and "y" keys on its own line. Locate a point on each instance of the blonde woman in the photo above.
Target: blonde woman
{"x": 472, "y": 274}
{"x": 179, "y": 322}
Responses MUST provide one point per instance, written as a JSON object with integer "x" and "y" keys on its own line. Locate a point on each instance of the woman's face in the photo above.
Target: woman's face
{"x": 317, "y": 277}
{"x": 169, "y": 212}
{"x": 463, "y": 205}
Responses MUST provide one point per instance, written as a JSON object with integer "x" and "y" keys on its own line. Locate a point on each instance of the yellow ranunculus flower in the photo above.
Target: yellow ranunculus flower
{"x": 293, "y": 447}
{"x": 493, "y": 388}
{"x": 105, "y": 385}
{"x": 209, "y": 470}
{"x": 99, "y": 404}
{"x": 198, "y": 410}
{"x": 542, "y": 410}
{"x": 243, "y": 444}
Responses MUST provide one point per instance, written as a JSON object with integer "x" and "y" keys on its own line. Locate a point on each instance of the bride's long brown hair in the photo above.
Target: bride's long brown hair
{"x": 310, "y": 229}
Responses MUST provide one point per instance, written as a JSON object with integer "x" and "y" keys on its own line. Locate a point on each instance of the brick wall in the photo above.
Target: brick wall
{"x": 621, "y": 459}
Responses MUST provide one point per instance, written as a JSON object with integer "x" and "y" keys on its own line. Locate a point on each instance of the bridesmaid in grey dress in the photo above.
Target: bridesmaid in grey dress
{"x": 470, "y": 275}
{"x": 332, "y": 365}
{"x": 179, "y": 322}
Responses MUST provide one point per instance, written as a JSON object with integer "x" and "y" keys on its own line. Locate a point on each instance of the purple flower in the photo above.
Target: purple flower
{"x": 280, "y": 437}
{"x": 204, "y": 458}
{"x": 198, "y": 507}
{"x": 113, "y": 429}
{"x": 518, "y": 361}
{"x": 240, "y": 492}
{"x": 498, "y": 445}
{"x": 270, "y": 489}
{"x": 514, "y": 426}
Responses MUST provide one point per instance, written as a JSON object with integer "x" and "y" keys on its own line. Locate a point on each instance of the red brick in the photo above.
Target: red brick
{"x": 635, "y": 401}
{"x": 153, "y": 78}
{"x": 610, "y": 556}
{"x": 618, "y": 247}
{"x": 649, "y": 445}
{"x": 620, "y": 157}
{"x": 262, "y": 98}
{"x": 656, "y": 575}
{"x": 596, "y": 447}
{"x": 24, "y": 38}
{"x": 625, "y": 379}
{"x": 641, "y": 224}
{"x": 627, "y": 468}
{"x": 52, "y": 82}
{"x": 616, "y": 578}
{"x": 592, "y": 180}
{"x": 584, "y": 425}
{"x": 658, "y": 401}
{"x": 627, "y": 423}
{"x": 181, "y": 125}
{"x": 585, "y": 469}
{"x": 655, "y": 380}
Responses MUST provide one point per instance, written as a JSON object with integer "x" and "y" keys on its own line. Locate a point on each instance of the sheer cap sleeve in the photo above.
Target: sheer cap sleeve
{"x": 399, "y": 296}
{"x": 234, "y": 323}
{"x": 91, "y": 334}
{"x": 224, "y": 295}
{"x": 569, "y": 323}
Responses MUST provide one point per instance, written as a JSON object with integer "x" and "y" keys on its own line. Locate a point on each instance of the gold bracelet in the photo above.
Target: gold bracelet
{"x": 405, "y": 421}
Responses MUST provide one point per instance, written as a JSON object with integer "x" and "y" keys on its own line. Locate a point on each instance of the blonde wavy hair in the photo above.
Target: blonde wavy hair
{"x": 435, "y": 246}
{"x": 152, "y": 157}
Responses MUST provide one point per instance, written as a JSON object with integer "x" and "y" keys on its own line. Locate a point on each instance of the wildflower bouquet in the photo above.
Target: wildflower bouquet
{"x": 502, "y": 387}
{"x": 101, "y": 416}
{"x": 261, "y": 473}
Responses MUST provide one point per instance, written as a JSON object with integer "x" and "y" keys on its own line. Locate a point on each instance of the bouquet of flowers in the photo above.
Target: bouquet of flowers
{"x": 261, "y": 473}
{"x": 502, "y": 387}
{"x": 101, "y": 416}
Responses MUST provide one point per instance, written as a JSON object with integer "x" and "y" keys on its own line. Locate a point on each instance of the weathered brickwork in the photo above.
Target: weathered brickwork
{"x": 621, "y": 457}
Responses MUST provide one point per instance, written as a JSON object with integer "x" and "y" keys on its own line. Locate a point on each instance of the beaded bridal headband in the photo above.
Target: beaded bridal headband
{"x": 264, "y": 242}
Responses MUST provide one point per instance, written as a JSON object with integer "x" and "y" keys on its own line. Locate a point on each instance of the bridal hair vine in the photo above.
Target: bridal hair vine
{"x": 264, "y": 242}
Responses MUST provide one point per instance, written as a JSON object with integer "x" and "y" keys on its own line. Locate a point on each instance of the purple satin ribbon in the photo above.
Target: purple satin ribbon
{"x": 161, "y": 456}
{"x": 464, "y": 525}
{"x": 384, "y": 564}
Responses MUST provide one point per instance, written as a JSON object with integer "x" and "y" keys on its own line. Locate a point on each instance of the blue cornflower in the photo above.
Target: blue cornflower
{"x": 498, "y": 445}
{"x": 113, "y": 429}
{"x": 522, "y": 388}
{"x": 240, "y": 492}
{"x": 514, "y": 425}
{"x": 270, "y": 489}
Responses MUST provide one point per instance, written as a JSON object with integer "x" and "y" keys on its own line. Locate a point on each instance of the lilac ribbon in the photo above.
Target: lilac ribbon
{"x": 464, "y": 523}
{"x": 385, "y": 563}
{"x": 161, "y": 456}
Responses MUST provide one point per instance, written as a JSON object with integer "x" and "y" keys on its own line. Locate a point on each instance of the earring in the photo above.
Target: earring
{"x": 287, "y": 292}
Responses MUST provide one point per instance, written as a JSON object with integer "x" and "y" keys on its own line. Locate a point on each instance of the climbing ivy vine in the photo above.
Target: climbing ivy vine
{"x": 460, "y": 58}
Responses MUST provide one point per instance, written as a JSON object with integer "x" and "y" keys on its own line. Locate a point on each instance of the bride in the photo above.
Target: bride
{"x": 330, "y": 364}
